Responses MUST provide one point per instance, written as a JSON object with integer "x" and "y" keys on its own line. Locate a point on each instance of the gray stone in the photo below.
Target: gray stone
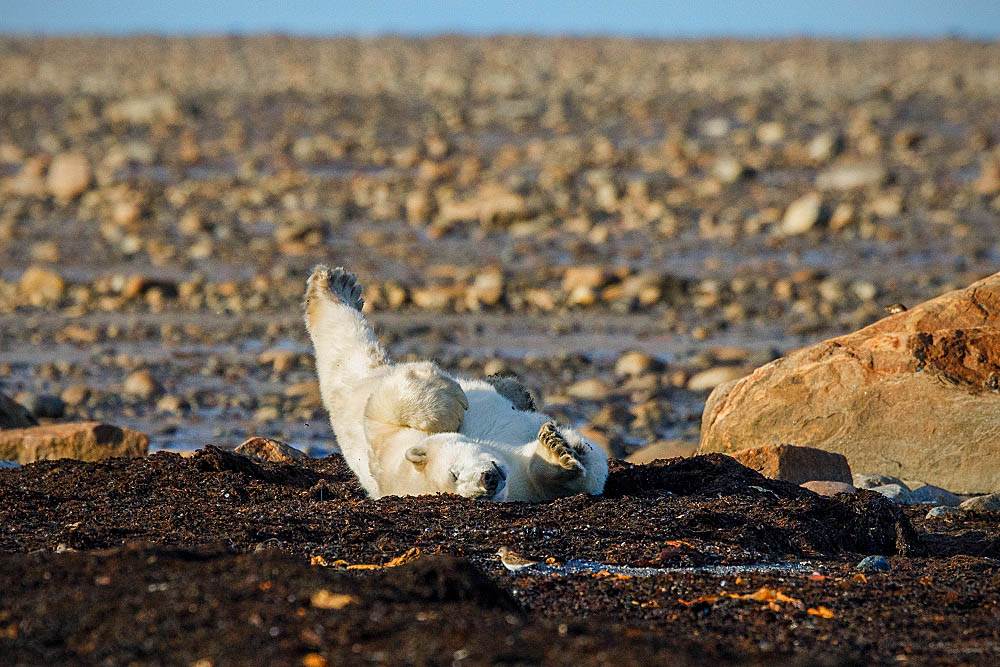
{"x": 934, "y": 495}
{"x": 866, "y": 481}
{"x": 45, "y": 406}
{"x": 942, "y": 511}
{"x": 874, "y": 564}
{"x": 897, "y": 493}
{"x": 990, "y": 503}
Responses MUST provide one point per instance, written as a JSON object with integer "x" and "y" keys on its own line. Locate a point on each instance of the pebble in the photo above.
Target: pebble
{"x": 934, "y": 495}
{"x": 591, "y": 389}
{"x": 713, "y": 377}
{"x": 632, "y": 364}
{"x": 874, "y": 564}
{"x": 942, "y": 511}
{"x": 69, "y": 175}
{"x": 847, "y": 177}
{"x": 41, "y": 286}
{"x": 74, "y": 395}
{"x": 802, "y": 214}
{"x": 142, "y": 384}
{"x": 989, "y": 503}
{"x": 869, "y": 481}
{"x": 828, "y": 488}
{"x": 897, "y": 493}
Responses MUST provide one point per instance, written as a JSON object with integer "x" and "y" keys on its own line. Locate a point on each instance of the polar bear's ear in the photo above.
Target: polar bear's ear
{"x": 417, "y": 455}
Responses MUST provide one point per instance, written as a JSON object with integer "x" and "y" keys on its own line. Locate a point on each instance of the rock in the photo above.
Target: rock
{"x": 989, "y": 503}
{"x": 41, "y": 286}
{"x": 588, "y": 277}
{"x": 272, "y": 451}
{"x": 74, "y": 395}
{"x": 306, "y": 392}
{"x": 942, "y": 511}
{"x": 45, "y": 406}
{"x": 663, "y": 449}
{"x": 486, "y": 290}
{"x": 865, "y": 481}
{"x": 280, "y": 359}
{"x": 795, "y": 464}
{"x": 13, "y": 414}
{"x": 69, "y": 175}
{"x": 86, "y": 441}
{"x": 713, "y": 377}
{"x": 934, "y": 495}
{"x": 492, "y": 203}
{"x": 822, "y": 147}
{"x": 634, "y": 364}
{"x": 874, "y": 564}
{"x": 171, "y": 403}
{"x": 897, "y": 493}
{"x": 144, "y": 110}
{"x": 866, "y": 395}
{"x": 828, "y": 488}
{"x": 589, "y": 390}
{"x": 847, "y": 177}
{"x": 142, "y": 384}
{"x": 802, "y": 214}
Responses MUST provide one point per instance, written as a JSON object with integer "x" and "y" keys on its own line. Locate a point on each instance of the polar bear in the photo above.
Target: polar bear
{"x": 412, "y": 429}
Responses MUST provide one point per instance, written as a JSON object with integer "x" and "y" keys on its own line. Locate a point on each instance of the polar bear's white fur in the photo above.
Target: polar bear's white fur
{"x": 412, "y": 429}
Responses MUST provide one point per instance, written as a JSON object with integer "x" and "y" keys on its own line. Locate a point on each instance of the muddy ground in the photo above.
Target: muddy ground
{"x": 167, "y": 560}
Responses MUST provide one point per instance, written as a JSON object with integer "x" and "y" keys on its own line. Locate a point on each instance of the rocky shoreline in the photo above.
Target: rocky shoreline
{"x": 670, "y": 243}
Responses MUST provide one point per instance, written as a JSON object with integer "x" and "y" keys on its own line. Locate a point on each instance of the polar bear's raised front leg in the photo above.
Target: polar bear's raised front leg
{"x": 345, "y": 345}
{"x": 418, "y": 396}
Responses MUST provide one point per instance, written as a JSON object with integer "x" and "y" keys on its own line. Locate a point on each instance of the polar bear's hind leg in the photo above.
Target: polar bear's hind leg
{"x": 345, "y": 345}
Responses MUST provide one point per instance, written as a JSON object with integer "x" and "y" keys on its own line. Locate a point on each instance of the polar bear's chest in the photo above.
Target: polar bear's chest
{"x": 492, "y": 417}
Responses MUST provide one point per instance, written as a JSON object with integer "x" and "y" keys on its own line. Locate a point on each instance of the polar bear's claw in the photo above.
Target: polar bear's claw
{"x": 343, "y": 285}
{"x": 557, "y": 450}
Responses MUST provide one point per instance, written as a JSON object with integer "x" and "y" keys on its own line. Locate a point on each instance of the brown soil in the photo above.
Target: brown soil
{"x": 166, "y": 560}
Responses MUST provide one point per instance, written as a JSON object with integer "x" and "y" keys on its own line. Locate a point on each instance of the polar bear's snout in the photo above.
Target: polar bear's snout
{"x": 494, "y": 480}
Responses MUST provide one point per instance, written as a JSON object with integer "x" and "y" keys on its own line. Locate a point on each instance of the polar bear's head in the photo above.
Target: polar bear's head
{"x": 453, "y": 463}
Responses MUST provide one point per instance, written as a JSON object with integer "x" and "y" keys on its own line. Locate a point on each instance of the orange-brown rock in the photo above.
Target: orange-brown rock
{"x": 86, "y": 441}
{"x": 795, "y": 464}
{"x": 272, "y": 451}
{"x": 914, "y": 395}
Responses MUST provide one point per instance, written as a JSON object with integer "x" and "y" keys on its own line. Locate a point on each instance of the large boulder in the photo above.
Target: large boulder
{"x": 86, "y": 441}
{"x": 914, "y": 395}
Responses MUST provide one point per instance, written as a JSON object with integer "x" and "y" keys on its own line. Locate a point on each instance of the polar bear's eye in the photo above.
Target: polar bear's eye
{"x": 454, "y": 475}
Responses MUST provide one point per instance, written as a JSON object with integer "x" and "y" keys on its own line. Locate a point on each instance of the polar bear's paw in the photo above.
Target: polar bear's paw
{"x": 554, "y": 449}
{"x": 342, "y": 285}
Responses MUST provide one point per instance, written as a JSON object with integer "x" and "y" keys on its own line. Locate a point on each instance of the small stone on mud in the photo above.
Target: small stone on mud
{"x": 142, "y": 384}
{"x": 874, "y": 564}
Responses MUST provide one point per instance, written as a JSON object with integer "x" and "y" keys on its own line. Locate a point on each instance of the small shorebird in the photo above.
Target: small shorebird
{"x": 513, "y": 561}
{"x": 895, "y": 308}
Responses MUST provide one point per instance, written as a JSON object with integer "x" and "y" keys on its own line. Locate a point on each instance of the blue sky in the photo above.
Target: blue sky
{"x": 841, "y": 18}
